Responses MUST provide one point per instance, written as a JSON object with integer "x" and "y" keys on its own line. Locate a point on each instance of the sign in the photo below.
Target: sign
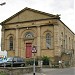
{"x": 34, "y": 50}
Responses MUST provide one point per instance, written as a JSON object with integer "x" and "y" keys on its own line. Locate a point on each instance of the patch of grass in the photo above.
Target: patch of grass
{"x": 2, "y": 73}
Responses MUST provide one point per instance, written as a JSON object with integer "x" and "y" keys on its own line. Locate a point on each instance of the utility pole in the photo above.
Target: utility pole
{"x": 1, "y": 4}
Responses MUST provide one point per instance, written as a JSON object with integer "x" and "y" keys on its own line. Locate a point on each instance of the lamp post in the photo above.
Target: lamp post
{"x": 34, "y": 50}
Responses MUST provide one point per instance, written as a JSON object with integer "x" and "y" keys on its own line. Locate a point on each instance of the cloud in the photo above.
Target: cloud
{"x": 68, "y": 18}
{"x": 52, "y": 4}
{"x": 64, "y": 4}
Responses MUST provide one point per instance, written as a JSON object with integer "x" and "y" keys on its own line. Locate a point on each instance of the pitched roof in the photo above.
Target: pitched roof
{"x": 37, "y": 11}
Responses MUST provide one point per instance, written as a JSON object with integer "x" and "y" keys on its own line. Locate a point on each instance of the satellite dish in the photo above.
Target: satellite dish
{"x": 3, "y": 3}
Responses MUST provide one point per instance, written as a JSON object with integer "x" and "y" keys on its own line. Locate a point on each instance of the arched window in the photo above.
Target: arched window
{"x": 29, "y": 35}
{"x": 11, "y": 43}
{"x": 48, "y": 40}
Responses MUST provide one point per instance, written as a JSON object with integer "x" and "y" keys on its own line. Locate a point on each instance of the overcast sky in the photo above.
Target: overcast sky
{"x": 63, "y": 7}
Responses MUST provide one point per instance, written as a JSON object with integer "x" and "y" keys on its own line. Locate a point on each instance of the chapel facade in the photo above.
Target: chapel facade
{"x": 30, "y": 27}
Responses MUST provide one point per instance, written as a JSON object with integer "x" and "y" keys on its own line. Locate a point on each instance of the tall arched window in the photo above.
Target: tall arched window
{"x": 48, "y": 40}
{"x": 11, "y": 43}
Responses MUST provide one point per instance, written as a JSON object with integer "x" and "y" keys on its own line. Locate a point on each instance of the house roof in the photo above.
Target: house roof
{"x": 37, "y": 11}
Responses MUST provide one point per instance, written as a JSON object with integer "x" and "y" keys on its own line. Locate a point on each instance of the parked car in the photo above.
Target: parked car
{"x": 1, "y": 60}
{"x": 14, "y": 61}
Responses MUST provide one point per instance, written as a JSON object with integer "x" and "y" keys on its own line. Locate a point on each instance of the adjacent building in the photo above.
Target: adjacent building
{"x": 30, "y": 27}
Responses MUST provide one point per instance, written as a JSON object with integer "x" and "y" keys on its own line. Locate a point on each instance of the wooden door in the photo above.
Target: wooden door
{"x": 28, "y": 50}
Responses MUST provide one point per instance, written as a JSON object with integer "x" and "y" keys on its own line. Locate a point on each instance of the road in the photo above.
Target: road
{"x": 64, "y": 71}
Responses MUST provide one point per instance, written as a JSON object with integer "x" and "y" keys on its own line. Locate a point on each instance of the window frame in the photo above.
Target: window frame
{"x": 11, "y": 43}
{"x": 48, "y": 40}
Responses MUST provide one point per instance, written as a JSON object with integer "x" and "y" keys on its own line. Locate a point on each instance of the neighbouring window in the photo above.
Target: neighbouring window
{"x": 11, "y": 43}
{"x": 66, "y": 41}
{"x": 69, "y": 43}
{"x": 48, "y": 40}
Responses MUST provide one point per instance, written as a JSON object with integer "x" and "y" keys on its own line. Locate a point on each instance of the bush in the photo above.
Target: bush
{"x": 31, "y": 62}
{"x": 45, "y": 60}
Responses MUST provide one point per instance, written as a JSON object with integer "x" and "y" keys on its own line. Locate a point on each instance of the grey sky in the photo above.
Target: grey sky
{"x": 63, "y": 7}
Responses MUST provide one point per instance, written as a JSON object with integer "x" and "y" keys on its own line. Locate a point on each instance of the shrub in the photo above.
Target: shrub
{"x": 31, "y": 62}
{"x": 45, "y": 60}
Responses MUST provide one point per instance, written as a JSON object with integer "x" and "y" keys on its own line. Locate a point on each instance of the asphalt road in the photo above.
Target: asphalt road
{"x": 47, "y": 71}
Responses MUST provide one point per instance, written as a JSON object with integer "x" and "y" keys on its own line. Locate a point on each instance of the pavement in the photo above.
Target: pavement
{"x": 49, "y": 71}
{"x": 35, "y": 74}
{"x": 43, "y": 72}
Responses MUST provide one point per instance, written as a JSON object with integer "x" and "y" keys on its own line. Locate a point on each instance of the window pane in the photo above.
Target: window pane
{"x": 48, "y": 40}
{"x": 11, "y": 43}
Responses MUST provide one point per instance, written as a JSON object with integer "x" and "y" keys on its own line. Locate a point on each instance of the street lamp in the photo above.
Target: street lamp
{"x": 3, "y": 3}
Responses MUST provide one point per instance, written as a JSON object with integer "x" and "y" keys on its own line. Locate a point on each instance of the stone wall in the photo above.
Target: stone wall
{"x": 18, "y": 70}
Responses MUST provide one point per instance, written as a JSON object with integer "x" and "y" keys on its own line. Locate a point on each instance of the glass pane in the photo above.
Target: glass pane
{"x": 11, "y": 43}
{"x": 48, "y": 40}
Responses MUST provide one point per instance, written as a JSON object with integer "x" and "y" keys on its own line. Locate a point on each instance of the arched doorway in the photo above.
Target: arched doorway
{"x": 28, "y": 43}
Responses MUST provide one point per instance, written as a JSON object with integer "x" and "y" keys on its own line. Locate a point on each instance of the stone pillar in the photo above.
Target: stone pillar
{"x": 16, "y": 42}
{"x": 2, "y": 40}
{"x": 38, "y": 41}
{"x": 56, "y": 41}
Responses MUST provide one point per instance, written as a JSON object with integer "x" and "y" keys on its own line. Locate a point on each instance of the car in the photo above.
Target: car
{"x": 14, "y": 61}
{"x": 1, "y": 60}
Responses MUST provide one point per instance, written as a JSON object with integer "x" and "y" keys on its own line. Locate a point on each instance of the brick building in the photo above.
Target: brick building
{"x": 30, "y": 27}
